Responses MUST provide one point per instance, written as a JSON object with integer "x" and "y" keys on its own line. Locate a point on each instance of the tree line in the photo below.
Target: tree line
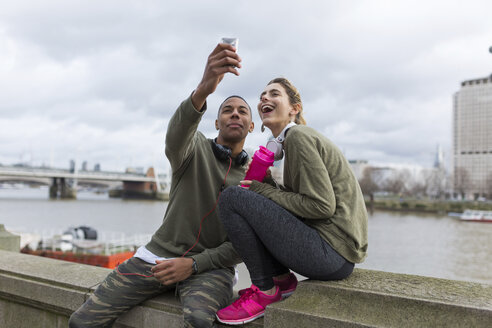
{"x": 432, "y": 183}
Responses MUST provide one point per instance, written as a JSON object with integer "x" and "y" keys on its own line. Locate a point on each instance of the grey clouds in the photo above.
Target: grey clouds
{"x": 98, "y": 81}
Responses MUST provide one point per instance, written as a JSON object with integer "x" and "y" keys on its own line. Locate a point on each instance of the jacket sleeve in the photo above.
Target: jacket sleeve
{"x": 314, "y": 197}
{"x": 224, "y": 256}
{"x": 181, "y": 133}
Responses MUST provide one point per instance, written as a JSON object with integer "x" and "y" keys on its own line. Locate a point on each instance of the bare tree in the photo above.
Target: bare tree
{"x": 418, "y": 186}
{"x": 397, "y": 182}
{"x": 368, "y": 183}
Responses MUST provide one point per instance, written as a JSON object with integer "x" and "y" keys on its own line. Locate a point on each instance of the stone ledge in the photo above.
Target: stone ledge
{"x": 381, "y": 299}
{"x": 34, "y": 286}
{"x": 41, "y": 292}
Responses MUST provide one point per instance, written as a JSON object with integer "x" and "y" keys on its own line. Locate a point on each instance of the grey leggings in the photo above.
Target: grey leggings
{"x": 271, "y": 240}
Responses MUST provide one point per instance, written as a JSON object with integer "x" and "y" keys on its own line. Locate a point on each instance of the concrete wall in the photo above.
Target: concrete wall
{"x": 42, "y": 292}
{"x": 8, "y": 240}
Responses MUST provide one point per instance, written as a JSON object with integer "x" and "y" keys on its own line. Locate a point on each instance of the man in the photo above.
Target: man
{"x": 190, "y": 251}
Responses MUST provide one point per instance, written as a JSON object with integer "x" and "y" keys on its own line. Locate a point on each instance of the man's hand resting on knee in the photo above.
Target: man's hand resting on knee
{"x": 169, "y": 272}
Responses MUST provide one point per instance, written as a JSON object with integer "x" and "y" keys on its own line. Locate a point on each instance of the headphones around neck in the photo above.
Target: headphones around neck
{"x": 223, "y": 153}
{"x": 275, "y": 145}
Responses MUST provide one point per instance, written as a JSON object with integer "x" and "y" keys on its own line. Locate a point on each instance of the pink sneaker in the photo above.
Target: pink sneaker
{"x": 250, "y": 306}
{"x": 287, "y": 286}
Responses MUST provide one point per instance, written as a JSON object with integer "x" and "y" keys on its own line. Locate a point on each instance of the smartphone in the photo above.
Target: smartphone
{"x": 232, "y": 41}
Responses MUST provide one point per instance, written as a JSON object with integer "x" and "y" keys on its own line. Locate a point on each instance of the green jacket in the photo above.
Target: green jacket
{"x": 321, "y": 189}
{"x": 197, "y": 177}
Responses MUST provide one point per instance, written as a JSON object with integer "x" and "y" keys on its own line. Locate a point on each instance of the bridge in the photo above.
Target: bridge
{"x": 63, "y": 182}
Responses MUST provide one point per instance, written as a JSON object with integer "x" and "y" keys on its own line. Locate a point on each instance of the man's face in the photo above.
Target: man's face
{"x": 234, "y": 120}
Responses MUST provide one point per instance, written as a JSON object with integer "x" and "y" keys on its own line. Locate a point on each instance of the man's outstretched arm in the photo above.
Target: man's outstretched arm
{"x": 223, "y": 59}
{"x": 184, "y": 123}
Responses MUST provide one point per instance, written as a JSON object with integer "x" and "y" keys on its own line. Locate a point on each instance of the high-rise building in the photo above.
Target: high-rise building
{"x": 472, "y": 138}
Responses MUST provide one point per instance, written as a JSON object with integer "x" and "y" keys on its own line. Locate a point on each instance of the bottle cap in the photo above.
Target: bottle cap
{"x": 265, "y": 155}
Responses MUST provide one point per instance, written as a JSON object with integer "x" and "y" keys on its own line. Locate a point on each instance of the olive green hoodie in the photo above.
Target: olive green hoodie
{"x": 321, "y": 189}
{"x": 197, "y": 177}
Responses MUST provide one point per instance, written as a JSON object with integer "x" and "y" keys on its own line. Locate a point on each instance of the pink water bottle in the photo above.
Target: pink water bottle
{"x": 262, "y": 160}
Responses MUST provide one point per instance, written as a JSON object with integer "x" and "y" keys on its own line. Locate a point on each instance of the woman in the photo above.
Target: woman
{"x": 315, "y": 225}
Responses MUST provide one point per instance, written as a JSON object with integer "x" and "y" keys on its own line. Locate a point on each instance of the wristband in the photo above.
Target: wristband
{"x": 194, "y": 267}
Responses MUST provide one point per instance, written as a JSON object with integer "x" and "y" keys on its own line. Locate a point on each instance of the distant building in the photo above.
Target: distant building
{"x": 135, "y": 170}
{"x": 472, "y": 138}
{"x": 358, "y": 166}
{"x": 72, "y": 165}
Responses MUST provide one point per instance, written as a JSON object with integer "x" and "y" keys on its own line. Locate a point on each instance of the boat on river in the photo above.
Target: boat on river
{"x": 110, "y": 261}
{"x": 81, "y": 245}
{"x": 475, "y": 216}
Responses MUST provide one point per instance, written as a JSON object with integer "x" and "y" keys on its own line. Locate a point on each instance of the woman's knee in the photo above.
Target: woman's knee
{"x": 227, "y": 201}
{"x": 229, "y": 194}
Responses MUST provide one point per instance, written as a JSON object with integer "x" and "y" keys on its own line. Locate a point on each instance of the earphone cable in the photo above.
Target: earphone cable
{"x": 199, "y": 229}
{"x": 213, "y": 209}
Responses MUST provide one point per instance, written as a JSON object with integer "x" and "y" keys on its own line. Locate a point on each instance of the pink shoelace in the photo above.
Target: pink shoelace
{"x": 245, "y": 296}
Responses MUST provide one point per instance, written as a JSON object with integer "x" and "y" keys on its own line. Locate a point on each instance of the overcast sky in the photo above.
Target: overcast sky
{"x": 97, "y": 81}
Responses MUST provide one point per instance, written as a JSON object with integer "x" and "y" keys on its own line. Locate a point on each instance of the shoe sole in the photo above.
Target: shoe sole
{"x": 241, "y": 321}
{"x": 287, "y": 294}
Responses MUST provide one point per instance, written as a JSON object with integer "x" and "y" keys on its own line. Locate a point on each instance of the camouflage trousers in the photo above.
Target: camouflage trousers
{"x": 201, "y": 295}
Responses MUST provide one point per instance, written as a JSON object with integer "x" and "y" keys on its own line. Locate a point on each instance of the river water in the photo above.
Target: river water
{"x": 427, "y": 245}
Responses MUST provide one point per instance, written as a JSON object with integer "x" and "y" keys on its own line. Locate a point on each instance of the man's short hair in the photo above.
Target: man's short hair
{"x": 235, "y": 96}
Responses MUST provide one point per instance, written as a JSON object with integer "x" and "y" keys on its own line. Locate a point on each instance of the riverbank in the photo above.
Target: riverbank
{"x": 426, "y": 206}
{"x": 426, "y": 243}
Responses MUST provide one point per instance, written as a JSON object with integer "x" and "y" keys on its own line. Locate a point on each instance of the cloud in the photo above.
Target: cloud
{"x": 100, "y": 81}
